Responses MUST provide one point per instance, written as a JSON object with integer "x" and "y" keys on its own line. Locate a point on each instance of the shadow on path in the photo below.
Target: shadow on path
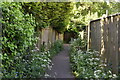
{"x": 61, "y": 65}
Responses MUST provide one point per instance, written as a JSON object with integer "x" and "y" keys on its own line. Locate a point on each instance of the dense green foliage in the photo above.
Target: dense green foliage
{"x": 88, "y": 64}
{"x": 56, "y": 47}
{"x": 20, "y": 57}
{"x": 18, "y": 36}
{"x": 64, "y": 15}
{"x": 52, "y": 14}
{"x": 83, "y": 12}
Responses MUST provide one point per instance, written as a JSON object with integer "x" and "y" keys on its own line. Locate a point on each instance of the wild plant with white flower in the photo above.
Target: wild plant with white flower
{"x": 35, "y": 63}
{"x": 88, "y": 64}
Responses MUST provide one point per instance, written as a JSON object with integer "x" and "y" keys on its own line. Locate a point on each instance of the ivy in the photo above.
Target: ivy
{"x": 20, "y": 57}
{"x": 17, "y": 36}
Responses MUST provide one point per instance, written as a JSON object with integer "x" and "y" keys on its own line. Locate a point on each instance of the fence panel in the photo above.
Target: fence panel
{"x": 118, "y": 25}
{"x": 105, "y": 38}
{"x": 48, "y": 36}
{"x": 95, "y": 35}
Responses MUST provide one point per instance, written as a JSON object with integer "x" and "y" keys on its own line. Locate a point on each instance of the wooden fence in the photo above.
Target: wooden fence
{"x": 104, "y": 36}
{"x": 48, "y": 36}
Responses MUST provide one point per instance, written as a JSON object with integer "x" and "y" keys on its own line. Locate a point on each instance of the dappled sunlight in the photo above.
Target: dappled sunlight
{"x": 34, "y": 37}
{"x": 109, "y": 40}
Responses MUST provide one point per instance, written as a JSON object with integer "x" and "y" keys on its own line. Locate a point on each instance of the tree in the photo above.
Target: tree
{"x": 83, "y": 12}
{"x": 52, "y": 14}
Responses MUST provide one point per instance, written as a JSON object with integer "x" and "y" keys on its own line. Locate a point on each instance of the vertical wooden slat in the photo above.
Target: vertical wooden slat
{"x": 111, "y": 34}
{"x": 118, "y": 25}
{"x": 104, "y": 36}
{"x": 98, "y": 35}
{"x": 88, "y": 32}
{"x": 102, "y": 51}
{"x": 39, "y": 39}
{"x": 53, "y": 35}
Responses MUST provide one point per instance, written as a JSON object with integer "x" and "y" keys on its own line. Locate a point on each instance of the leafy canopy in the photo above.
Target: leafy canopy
{"x": 83, "y": 12}
{"x": 52, "y": 14}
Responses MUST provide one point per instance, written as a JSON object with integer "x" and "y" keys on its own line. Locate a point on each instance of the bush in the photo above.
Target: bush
{"x": 34, "y": 65}
{"x": 19, "y": 57}
{"x": 78, "y": 43}
{"x": 42, "y": 60}
{"x": 88, "y": 64}
{"x": 56, "y": 47}
{"x": 17, "y": 38}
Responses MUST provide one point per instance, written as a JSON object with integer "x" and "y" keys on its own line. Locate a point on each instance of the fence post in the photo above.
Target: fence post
{"x": 118, "y": 25}
{"x": 88, "y": 32}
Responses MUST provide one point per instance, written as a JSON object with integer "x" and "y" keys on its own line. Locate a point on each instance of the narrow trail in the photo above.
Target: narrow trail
{"x": 61, "y": 67}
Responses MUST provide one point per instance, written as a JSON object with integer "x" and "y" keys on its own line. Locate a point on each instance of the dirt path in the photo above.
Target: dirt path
{"x": 61, "y": 67}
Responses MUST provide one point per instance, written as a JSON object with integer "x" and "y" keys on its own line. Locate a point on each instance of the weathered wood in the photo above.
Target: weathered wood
{"x": 48, "y": 36}
{"x": 104, "y": 36}
{"x": 53, "y": 36}
{"x": 88, "y": 32}
{"x": 118, "y": 25}
{"x": 56, "y": 35}
{"x": 60, "y": 37}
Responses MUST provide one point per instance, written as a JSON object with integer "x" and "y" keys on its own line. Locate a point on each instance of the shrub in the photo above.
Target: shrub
{"x": 78, "y": 43}
{"x": 88, "y": 64}
{"x": 19, "y": 57}
{"x": 34, "y": 65}
{"x": 17, "y": 37}
{"x": 56, "y": 47}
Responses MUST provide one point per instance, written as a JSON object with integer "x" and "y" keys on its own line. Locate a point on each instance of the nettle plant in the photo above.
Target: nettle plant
{"x": 88, "y": 64}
